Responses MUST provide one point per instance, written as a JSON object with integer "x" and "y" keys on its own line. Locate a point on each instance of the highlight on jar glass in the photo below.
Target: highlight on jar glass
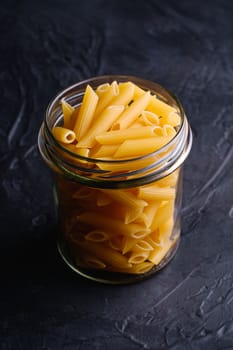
{"x": 117, "y": 145}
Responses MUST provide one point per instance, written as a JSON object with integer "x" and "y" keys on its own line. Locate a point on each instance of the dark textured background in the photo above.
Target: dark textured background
{"x": 187, "y": 46}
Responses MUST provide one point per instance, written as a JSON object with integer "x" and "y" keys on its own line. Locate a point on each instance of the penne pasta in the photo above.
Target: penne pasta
{"x": 138, "y": 257}
{"x": 140, "y": 147}
{"x": 86, "y": 113}
{"x": 103, "y": 151}
{"x": 164, "y": 213}
{"x": 106, "y": 254}
{"x": 101, "y": 124}
{"x": 125, "y": 198}
{"x": 132, "y": 112}
{"x": 102, "y": 88}
{"x": 63, "y": 135}
{"x": 142, "y": 246}
{"x": 160, "y": 252}
{"x": 118, "y": 136}
{"x": 149, "y": 118}
{"x": 173, "y": 119}
{"x": 154, "y": 192}
{"x": 93, "y": 262}
{"x": 113, "y": 225}
{"x": 149, "y": 213}
{"x": 67, "y": 111}
{"x": 106, "y": 97}
{"x": 159, "y": 107}
{"x": 97, "y": 236}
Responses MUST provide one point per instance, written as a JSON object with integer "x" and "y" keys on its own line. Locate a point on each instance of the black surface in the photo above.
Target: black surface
{"x": 185, "y": 46}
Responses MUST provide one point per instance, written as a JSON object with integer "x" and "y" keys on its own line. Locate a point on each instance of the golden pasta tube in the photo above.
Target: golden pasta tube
{"x": 97, "y": 236}
{"x": 172, "y": 119}
{"x": 106, "y": 254}
{"x": 128, "y": 244}
{"x": 136, "y": 269}
{"x": 119, "y": 136}
{"x": 164, "y": 213}
{"x": 132, "y": 112}
{"x": 141, "y": 246}
{"x": 63, "y": 135}
{"x": 139, "y": 147}
{"x": 103, "y": 151}
{"x": 149, "y": 213}
{"x": 115, "y": 243}
{"x": 86, "y": 112}
{"x": 125, "y": 198}
{"x": 138, "y": 257}
{"x": 67, "y": 111}
{"x": 93, "y": 262}
{"x": 159, "y": 107}
{"x": 106, "y": 97}
{"x": 101, "y": 89}
{"x": 138, "y": 92}
{"x": 149, "y": 118}
{"x": 112, "y": 225}
{"x": 168, "y": 130}
{"x": 154, "y": 192}
{"x": 101, "y": 124}
{"x": 160, "y": 252}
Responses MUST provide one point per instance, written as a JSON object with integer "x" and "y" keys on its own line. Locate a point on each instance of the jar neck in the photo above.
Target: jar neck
{"x": 118, "y": 173}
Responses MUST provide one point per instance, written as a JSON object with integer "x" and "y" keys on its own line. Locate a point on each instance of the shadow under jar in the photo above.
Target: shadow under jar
{"x": 119, "y": 218}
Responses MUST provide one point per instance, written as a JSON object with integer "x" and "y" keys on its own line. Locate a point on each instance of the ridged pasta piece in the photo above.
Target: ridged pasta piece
{"x": 67, "y": 111}
{"x": 113, "y": 225}
{"x": 102, "y": 88}
{"x": 154, "y": 192}
{"x": 140, "y": 147}
{"x": 132, "y": 112}
{"x": 63, "y": 135}
{"x": 164, "y": 213}
{"x": 141, "y": 246}
{"x": 106, "y": 97}
{"x": 149, "y": 118}
{"x": 119, "y": 136}
{"x": 172, "y": 119}
{"x": 94, "y": 262}
{"x": 125, "y": 198}
{"x": 97, "y": 236}
{"x": 160, "y": 252}
{"x": 159, "y": 107}
{"x": 103, "y": 151}
{"x": 116, "y": 242}
{"x": 149, "y": 213}
{"x": 86, "y": 112}
{"x": 106, "y": 254}
{"x": 138, "y": 257}
{"x": 101, "y": 124}
{"x": 136, "y": 269}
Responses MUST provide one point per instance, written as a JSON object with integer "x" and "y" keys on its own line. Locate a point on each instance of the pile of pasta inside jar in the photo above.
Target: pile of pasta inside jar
{"x": 125, "y": 230}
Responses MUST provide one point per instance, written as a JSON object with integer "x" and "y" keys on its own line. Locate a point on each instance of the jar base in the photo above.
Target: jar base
{"x": 115, "y": 278}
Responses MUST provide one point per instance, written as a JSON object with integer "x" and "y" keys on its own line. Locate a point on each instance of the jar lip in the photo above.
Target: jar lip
{"x": 134, "y": 79}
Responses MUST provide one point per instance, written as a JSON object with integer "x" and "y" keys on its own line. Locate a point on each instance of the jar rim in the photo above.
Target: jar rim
{"x": 58, "y": 97}
{"x": 183, "y": 136}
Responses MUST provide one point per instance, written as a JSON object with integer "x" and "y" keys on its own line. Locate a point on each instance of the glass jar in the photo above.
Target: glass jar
{"x": 120, "y": 221}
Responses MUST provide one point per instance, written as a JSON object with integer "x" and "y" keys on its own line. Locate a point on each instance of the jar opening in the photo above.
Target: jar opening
{"x": 113, "y": 173}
